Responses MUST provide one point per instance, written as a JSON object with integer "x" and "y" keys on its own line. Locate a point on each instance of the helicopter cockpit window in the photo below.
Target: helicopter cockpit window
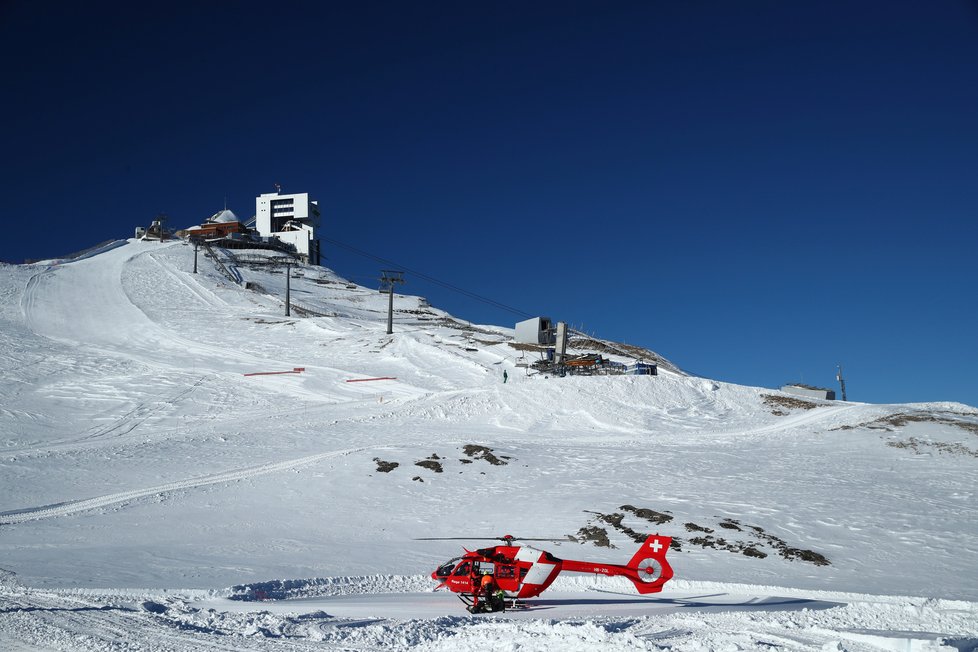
{"x": 446, "y": 569}
{"x": 463, "y": 569}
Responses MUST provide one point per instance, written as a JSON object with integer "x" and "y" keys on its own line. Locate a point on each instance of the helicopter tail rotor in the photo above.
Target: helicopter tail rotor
{"x": 649, "y": 568}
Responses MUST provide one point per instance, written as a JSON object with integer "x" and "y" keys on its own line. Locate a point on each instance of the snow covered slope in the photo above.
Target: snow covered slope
{"x": 137, "y": 451}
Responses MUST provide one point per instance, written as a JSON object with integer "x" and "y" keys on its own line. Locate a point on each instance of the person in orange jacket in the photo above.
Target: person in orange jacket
{"x": 485, "y": 589}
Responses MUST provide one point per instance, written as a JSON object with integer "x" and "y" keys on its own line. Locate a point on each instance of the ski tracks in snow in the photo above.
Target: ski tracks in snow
{"x": 207, "y": 297}
{"x": 808, "y": 417}
{"x": 73, "y": 507}
{"x": 118, "y": 428}
{"x": 28, "y": 299}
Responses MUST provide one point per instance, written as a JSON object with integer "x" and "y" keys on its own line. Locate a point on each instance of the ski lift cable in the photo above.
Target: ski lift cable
{"x": 472, "y": 295}
{"x": 430, "y": 279}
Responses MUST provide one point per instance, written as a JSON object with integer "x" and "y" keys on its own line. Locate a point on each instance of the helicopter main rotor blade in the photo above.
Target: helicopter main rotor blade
{"x": 490, "y": 539}
{"x": 453, "y": 539}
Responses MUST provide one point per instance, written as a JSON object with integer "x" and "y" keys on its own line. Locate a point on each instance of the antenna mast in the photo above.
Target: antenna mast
{"x": 842, "y": 382}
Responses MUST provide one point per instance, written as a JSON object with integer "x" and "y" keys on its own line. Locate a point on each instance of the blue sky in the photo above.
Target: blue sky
{"x": 756, "y": 190}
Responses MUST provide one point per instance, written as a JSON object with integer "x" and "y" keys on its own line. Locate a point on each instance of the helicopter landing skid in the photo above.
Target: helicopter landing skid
{"x": 469, "y": 600}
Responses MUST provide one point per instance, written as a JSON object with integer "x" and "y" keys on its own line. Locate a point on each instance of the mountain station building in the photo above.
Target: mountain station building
{"x": 293, "y": 219}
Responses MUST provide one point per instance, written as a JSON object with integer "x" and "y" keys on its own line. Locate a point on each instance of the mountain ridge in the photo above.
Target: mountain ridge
{"x": 136, "y": 448}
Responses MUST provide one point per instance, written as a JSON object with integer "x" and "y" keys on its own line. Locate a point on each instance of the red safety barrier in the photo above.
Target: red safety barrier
{"x": 295, "y": 370}
{"x": 363, "y": 380}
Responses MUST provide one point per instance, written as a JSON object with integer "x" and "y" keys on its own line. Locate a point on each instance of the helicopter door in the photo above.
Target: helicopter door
{"x": 460, "y": 579}
{"x": 506, "y": 578}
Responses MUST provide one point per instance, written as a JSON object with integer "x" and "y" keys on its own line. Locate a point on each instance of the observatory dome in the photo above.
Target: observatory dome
{"x": 223, "y": 216}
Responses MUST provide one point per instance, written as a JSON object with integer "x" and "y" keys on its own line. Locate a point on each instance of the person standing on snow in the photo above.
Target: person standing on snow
{"x": 487, "y": 589}
{"x": 505, "y": 376}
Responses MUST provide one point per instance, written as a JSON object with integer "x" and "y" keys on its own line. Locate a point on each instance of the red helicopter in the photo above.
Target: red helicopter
{"x": 522, "y": 571}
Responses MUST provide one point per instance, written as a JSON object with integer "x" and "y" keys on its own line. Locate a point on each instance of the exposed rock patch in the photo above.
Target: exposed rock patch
{"x": 649, "y": 515}
{"x": 615, "y": 520}
{"x": 744, "y": 539}
{"x": 591, "y": 533}
{"x": 901, "y": 419}
{"x": 776, "y": 403}
{"x": 431, "y": 463}
{"x": 385, "y": 467}
{"x": 919, "y": 446}
{"x": 477, "y": 452}
{"x": 722, "y": 544}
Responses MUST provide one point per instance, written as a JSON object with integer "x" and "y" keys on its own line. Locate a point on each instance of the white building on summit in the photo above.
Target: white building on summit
{"x": 293, "y": 219}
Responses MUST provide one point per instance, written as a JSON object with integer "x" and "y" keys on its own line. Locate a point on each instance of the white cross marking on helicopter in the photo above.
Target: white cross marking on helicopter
{"x": 540, "y": 570}
{"x": 655, "y": 545}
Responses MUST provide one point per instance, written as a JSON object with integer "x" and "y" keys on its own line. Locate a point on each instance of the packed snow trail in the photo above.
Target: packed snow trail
{"x": 73, "y": 507}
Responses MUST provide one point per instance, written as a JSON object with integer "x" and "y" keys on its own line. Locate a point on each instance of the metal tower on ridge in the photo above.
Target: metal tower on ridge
{"x": 389, "y": 279}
